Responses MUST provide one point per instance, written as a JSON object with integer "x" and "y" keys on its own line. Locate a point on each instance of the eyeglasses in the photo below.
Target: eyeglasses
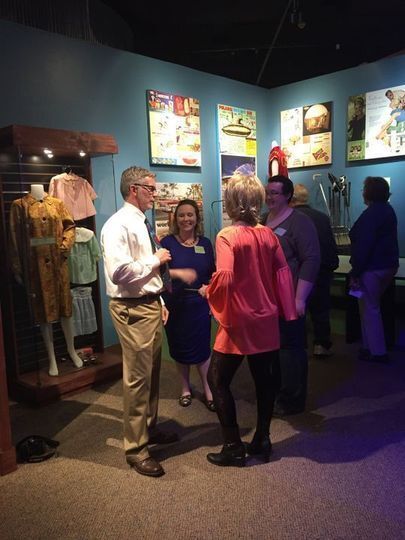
{"x": 151, "y": 189}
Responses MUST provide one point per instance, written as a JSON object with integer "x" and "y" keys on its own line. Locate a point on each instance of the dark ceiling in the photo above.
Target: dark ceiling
{"x": 283, "y": 42}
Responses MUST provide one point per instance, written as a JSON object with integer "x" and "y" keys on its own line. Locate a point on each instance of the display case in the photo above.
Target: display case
{"x": 31, "y": 156}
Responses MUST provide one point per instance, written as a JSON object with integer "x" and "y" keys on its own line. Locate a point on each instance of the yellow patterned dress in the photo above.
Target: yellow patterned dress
{"x": 42, "y": 233}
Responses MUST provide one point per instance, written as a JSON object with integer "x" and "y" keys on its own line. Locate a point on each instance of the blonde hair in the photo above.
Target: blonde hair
{"x": 301, "y": 194}
{"x": 244, "y": 198}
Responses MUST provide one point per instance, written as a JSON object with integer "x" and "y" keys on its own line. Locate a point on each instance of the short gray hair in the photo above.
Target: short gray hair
{"x": 133, "y": 175}
{"x": 301, "y": 194}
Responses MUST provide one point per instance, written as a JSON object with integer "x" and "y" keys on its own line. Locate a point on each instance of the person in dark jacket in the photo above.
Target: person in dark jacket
{"x": 319, "y": 300}
{"x": 375, "y": 261}
{"x": 299, "y": 240}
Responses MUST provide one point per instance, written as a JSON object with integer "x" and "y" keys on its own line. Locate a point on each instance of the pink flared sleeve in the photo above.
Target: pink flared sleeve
{"x": 284, "y": 286}
{"x": 220, "y": 288}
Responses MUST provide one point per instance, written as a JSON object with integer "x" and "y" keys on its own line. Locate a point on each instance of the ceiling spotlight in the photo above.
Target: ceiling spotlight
{"x": 49, "y": 155}
{"x": 82, "y": 153}
{"x": 47, "y": 151}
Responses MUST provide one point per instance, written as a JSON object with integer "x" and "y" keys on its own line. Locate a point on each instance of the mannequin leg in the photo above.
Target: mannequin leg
{"x": 47, "y": 334}
{"x": 67, "y": 327}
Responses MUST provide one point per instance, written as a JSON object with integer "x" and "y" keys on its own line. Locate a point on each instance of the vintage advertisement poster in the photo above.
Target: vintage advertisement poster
{"x": 236, "y": 131}
{"x": 174, "y": 129}
{"x": 169, "y": 195}
{"x": 306, "y": 135}
{"x": 376, "y": 124}
{"x": 230, "y": 165}
{"x": 237, "y": 145}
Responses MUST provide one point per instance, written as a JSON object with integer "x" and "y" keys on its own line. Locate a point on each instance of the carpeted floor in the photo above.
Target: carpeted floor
{"x": 337, "y": 471}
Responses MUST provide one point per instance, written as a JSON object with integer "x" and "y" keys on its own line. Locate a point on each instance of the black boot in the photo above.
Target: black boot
{"x": 232, "y": 454}
{"x": 260, "y": 445}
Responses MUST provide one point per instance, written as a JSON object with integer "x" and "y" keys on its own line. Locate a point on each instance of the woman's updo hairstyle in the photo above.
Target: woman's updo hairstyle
{"x": 244, "y": 198}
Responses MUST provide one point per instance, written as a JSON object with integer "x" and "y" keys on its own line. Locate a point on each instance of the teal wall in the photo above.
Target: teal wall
{"x": 52, "y": 81}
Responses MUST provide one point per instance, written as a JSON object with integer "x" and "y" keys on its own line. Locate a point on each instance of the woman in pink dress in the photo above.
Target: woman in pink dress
{"x": 250, "y": 289}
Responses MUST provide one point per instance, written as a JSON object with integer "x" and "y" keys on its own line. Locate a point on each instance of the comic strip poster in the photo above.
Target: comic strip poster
{"x": 174, "y": 129}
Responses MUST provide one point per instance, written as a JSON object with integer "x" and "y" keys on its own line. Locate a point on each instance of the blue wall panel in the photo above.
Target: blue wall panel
{"x": 52, "y": 81}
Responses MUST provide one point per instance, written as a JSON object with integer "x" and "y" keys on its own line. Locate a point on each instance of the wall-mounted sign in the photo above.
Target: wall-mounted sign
{"x": 237, "y": 145}
{"x": 174, "y": 129}
{"x": 306, "y": 135}
{"x": 376, "y": 124}
{"x": 236, "y": 131}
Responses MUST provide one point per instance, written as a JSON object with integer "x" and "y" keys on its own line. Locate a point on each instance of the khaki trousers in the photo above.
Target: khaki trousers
{"x": 139, "y": 327}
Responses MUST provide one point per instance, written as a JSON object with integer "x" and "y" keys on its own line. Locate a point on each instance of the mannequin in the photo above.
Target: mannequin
{"x": 47, "y": 334}
{"x": 38, "y": 193}
{"x": 277, "y": 161}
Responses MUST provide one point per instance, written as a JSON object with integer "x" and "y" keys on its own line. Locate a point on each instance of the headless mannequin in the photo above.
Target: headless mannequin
{"x": 38, "y": 192}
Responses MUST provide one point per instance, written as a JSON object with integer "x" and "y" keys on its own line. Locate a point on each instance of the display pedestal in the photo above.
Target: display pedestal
{"x": 40, "y": 388}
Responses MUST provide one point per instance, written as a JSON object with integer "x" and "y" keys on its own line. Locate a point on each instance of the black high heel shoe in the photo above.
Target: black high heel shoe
{"x": 260, "y": 446}
{"x": 232, "y": 454}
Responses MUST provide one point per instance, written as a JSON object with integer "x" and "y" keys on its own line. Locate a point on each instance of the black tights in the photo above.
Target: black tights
{"x": 220, "y": 374}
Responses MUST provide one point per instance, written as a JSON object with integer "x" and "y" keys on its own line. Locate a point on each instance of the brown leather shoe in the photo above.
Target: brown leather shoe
{"x": 162, "y": 437}
{"x": 148, "y": 467}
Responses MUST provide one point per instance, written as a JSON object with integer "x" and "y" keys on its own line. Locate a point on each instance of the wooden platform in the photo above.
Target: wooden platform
{"x": 39, "y": 388}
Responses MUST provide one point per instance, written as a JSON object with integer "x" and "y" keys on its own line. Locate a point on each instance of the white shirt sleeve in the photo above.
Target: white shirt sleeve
{"x": 122, "y": 269}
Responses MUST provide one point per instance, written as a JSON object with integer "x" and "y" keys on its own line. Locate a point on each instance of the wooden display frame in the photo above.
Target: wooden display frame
{"x": 21, "y": 148}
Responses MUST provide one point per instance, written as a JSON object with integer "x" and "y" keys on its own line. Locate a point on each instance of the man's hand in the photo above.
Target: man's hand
{"x": 163, "y": 255}
{"x": 188, "y": 275}
{"x": 165, "y": 315}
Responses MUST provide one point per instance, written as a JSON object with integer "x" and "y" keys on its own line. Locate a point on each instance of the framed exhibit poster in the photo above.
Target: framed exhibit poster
{"x": 237, "y": 145}
{"x": 236, "y": 131}
{"x": 169, "y": 195}
{"x": 306, "y": 135}
{"x": 376, "y": 124}
{"x": 230, "y": 164}
{"x": 174, "y": 129}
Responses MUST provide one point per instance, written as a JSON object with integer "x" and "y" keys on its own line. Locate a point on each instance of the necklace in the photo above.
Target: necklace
{"x": 189, "y": 242}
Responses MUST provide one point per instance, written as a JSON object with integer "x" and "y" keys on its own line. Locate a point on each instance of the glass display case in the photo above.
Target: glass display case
{"x": 52, "y": 347}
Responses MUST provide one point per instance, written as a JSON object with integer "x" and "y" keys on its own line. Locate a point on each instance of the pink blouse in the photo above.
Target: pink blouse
{"x": 76, "y": 192}
{"x": 251, "y": 288}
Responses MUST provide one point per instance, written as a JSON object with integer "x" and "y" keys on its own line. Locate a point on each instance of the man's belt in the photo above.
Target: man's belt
{"x": 139, "y": 299}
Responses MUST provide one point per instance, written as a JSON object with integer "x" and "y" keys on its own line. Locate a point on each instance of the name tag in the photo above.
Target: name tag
{"x": 280, "y": 231}
{"x": 45, "y": 241}
{"x": 199, "y": 249}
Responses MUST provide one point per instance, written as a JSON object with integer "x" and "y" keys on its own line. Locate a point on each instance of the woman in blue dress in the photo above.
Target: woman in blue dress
{"x": 188, "y": 328}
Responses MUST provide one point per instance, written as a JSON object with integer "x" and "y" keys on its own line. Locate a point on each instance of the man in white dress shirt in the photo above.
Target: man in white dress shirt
{"x": 132, "y": 264}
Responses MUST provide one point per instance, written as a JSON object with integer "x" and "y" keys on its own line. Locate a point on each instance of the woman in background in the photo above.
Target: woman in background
{"x": 188, "y": 328}
{"x": 375, "y": 261}
{"x": 250, "y": 289}
{"x": 299, "y": 241}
